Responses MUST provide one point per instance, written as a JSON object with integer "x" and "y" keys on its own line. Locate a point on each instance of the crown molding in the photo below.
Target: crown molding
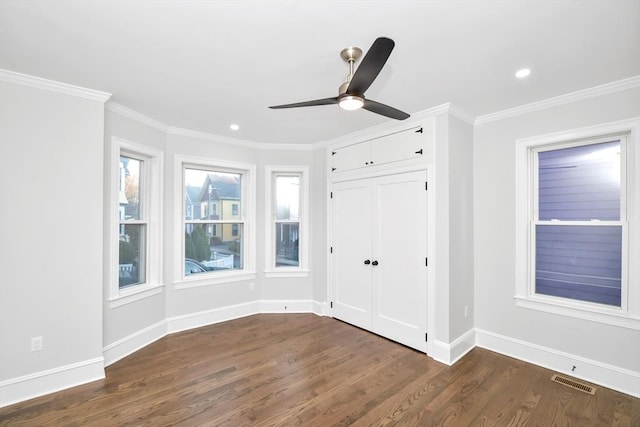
{"x": 134, "y": 115}
{"x": 293, "y": 147}
{"x": 593, "y": 92}
{"x": 450, "y": 109}
{"x": 173, "y": 130}
{"x": 236, "y": 141}
{"x": 53, "y": 86}
{"x": 461, "y": 114}
{"x": 395, "y": 125}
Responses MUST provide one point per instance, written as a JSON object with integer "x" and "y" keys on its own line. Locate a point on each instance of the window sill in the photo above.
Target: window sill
{"x": 612, "y": 316}
{"x": 134, "y": 293}
{"x": 213, "y": 279}
{"x": 286, "y": 273}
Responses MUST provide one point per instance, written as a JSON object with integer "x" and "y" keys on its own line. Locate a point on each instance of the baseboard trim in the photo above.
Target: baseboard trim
{"x": 210, "y": 317}
{"x": 286, "y": 306}
{"x": 451, "y": 353}
{"x": 38, "y": 384}
{"x": 134, "y": 342}
{"x": 610, "y": 376}
{"x": 319, "y": 308}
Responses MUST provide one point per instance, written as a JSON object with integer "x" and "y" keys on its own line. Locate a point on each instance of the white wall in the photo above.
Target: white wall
{"x": 461, "y": 253}
{"x": 126, "y": 327}
{"x": 287, "y": 288}
{"x": 51, "y": 245}
{"x": 602, "y": 353}
{"x": 454, "y": 239}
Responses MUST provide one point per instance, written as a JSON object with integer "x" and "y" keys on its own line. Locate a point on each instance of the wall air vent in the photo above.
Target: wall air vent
{"x": 573, "y": 384}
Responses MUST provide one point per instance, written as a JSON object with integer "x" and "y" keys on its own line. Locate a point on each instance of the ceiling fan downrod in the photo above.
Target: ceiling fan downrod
{"x": 350, "y": 55}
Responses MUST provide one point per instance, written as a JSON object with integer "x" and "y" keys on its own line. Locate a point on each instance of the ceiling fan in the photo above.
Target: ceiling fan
{"x": 351, "y": 92}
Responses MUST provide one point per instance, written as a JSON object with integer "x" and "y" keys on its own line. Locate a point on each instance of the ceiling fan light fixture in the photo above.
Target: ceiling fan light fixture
{"x": 351, "y": 102}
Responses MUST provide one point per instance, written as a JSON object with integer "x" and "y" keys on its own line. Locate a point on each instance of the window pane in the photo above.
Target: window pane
{"x": 132, "y": 257}
{"x": 579, "y": 262}
{"x": 287, "y": 245}
{"x": 210, "y": 247}
{"x": 130, "y": 188}
{"x": 580, "y": 183}
{"x": 287, "y": 198}
{"x": 212, "y": 195}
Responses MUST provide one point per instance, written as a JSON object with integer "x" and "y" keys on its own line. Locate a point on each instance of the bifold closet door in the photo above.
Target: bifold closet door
{"x": 352, "y": 247}
{"x": 379, "y": 255}
{"x": 400, "y": 248}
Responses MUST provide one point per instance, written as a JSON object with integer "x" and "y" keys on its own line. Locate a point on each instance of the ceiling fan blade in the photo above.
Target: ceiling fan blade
{"x": 385, "y": 110}
{"x": 323, "y": 101}
{"x": 371, "y": 65}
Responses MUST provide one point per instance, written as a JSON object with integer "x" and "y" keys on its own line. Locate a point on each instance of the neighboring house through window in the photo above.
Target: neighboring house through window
{"x": 217, "y": 245}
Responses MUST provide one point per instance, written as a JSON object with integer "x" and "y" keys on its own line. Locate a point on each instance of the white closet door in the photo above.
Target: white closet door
{"x": 352, "y": 245}
{"x": 400, "y": 248}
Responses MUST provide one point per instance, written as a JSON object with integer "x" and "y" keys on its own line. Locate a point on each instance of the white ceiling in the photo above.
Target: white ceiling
{"x": 202, "y": 65}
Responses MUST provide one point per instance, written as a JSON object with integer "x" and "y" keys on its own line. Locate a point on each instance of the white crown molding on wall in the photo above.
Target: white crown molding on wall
{"x": 190, "y": 133}
{"x": 173, "y": 130}
{"x": 390, "y": 126}
{"x": 53, "y": 86}
{"x": 134, "y": 115}
{"x": 580, "y": 95}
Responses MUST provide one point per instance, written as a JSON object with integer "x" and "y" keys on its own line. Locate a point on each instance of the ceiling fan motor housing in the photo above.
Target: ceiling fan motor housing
{"x": 351, "y": 92}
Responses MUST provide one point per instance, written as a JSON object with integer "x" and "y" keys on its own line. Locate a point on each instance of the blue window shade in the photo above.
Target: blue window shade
{"x": 580, "y": 183}
{"x": 579, "y": 262}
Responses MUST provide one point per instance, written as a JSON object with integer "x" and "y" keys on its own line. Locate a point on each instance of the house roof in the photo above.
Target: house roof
{"x": 193, "y": 193}
{"x": 223, "y": 186}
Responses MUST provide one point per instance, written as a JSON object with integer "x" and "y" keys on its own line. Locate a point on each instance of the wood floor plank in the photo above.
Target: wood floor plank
{"x": 301, "y": 369}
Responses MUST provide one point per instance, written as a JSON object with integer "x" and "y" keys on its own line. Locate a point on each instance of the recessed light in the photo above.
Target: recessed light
{"x": 234, "y": 126}
{"x": 523, "y": 73}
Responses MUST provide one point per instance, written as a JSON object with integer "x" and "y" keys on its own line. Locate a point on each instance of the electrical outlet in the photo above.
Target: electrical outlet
{"x": 466, "y": 311}
{"x": 37, "y": 343}
{"x": 252, "y": 286}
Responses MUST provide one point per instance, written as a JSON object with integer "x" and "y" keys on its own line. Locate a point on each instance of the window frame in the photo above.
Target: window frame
{"x": 247, "y": 218}
{"x": 151, "y": 216}
{"x": 628, "y": 314}
{"x": 271, "y": 270}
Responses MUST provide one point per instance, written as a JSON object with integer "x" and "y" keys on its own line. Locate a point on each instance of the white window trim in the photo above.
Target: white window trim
{"x": 302, "y": 270}
{"x": 628, "y": 315}
{"x": 152, "y": 203}
{"x": 248, "y": 213}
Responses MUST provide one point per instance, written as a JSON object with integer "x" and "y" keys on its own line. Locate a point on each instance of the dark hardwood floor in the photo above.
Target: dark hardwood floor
{"x": 301, "y": 369}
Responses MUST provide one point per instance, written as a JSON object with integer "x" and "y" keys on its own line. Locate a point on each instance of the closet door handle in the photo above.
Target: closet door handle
{"x": 367, "y": 262}
{"x": 374, "y": 263}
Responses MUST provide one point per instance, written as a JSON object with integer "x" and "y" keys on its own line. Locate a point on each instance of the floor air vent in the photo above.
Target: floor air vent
{"x": 573, "y": 384}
